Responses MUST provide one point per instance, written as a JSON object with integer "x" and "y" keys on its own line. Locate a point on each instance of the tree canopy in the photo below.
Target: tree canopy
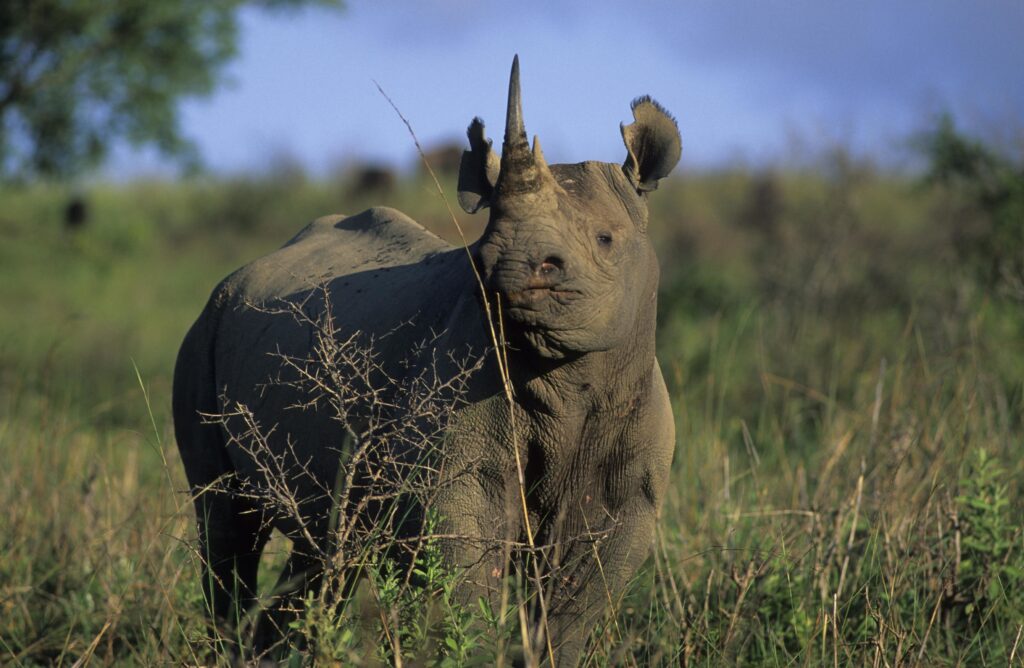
{"x": 75, "y": 75}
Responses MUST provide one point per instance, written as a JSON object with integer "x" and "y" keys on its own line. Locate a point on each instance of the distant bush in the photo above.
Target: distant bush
{"x": 992, "y": 183}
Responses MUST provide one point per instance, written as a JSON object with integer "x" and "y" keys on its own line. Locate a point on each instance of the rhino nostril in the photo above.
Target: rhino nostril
{"x": 550, "y": 265}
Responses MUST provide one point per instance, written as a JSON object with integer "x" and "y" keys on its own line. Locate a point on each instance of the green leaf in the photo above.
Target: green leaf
{"x": 77, "y": 76}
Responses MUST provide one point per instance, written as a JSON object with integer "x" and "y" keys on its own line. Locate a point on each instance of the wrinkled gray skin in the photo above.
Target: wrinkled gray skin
{"x": 567, "y": 255}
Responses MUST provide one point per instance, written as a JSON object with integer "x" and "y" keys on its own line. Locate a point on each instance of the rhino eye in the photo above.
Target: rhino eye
{"x": 604, "y": 239}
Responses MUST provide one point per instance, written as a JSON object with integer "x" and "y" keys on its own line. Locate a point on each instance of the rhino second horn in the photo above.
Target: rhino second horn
{"x": 538, "y": 156}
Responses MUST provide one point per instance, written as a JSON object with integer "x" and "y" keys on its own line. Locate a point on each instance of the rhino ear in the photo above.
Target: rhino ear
{"x": 652, "y": 143}
{"x": 478, "y": 171}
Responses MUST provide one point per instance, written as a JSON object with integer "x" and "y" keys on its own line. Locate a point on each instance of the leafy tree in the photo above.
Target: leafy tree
{"x": 77, "y": 74}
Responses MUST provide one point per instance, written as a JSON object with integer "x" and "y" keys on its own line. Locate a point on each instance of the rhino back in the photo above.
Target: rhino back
{"x": 333, "y": 247}
{"x": 378, "y": 270}
{"x": 391, "y": 285}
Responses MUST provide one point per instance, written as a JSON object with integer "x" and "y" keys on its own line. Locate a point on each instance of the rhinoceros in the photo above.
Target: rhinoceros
{"x": 562, "y": 433}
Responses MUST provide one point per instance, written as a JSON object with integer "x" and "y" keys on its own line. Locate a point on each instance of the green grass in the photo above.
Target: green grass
{"x": 846, "y": 486}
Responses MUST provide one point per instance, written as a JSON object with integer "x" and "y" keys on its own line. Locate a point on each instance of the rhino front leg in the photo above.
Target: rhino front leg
{"x": 591, "y": 573}
{"x": 479, "y": 531}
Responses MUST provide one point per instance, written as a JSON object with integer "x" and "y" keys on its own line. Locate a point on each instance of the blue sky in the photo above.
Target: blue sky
{"x": 748, "y": 81}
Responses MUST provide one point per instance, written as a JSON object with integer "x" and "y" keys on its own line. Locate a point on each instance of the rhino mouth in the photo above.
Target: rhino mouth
{"x": 536, "y": 311}
{"x": 528, "y": 299}
{"x": 534, "y": 293}
{"x": 533, "y": 297}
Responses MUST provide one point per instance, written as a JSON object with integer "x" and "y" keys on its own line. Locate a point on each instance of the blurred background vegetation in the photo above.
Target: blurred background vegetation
{"x": 844, "y": 345}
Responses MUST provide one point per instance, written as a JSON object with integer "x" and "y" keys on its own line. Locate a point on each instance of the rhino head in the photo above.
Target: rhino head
{"x": 566, "y": 246}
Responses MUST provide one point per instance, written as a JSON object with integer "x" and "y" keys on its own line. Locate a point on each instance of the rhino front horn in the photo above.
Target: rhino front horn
{"x": 521, "y": 174}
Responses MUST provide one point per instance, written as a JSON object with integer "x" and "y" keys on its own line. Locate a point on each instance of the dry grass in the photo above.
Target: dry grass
{"x": 833, "y": 391}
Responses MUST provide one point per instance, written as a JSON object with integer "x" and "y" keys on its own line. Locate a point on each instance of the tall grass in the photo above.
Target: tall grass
{"x": 846, "y": 487}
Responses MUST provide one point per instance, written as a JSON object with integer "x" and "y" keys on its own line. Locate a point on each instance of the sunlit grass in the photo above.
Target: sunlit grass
{"x": 835, "y": 377}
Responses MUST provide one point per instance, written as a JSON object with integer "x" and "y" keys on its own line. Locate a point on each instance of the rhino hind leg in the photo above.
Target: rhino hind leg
{"x": 302, "y": 573}
{"x": 231, "y": 533}
{"x": 230, "y": 545}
